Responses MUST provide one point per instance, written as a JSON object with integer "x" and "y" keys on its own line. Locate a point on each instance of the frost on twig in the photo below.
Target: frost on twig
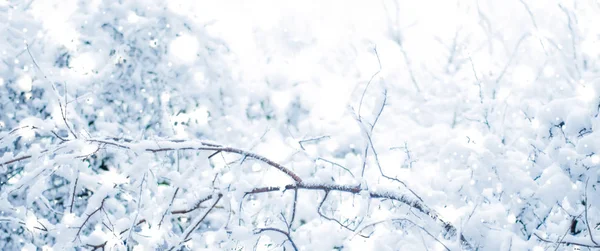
{"x": 467, "y": 130}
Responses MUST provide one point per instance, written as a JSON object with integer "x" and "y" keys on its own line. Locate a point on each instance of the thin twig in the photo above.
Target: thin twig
{"x": 313, "y": 139}
{"x": 191, "y": 229}
{"x": 213, "y": 155}
{"x": 139, "y": 204}
{"x": 88, "y": 218}
{"x": 587, "y": 223}
{"x": 380, "y": 110}
{"x": 329, "y": 218}
{"x": 369, "y": 83}
{"x": 372, "y": 147}
{"x": 336, "y": 164}
{"x": 73, "y": 195}
{"x": 561, "y": 242}
{"x": 15, "y": 160}
{"x": 287, "y": 235}
{"x": 293, "y": 209}
{"x": 407, "y": 220}
{"x": 168, "y": 208}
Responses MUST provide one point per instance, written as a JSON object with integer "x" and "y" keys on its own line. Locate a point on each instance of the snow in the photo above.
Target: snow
{"x": 85, "y": 63}
{"x": 491, "y": 120}
{"x": 97, "y": 237}
{"x": 29, "y": 247}
{"x": 184, "y": 48}
{"x": 24, "y": 83}
{"x": 523, "y": 76}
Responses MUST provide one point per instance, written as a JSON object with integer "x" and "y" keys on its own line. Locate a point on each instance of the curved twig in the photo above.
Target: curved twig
{"x": 287, "y": 235}
{"x": 449, "y": 229}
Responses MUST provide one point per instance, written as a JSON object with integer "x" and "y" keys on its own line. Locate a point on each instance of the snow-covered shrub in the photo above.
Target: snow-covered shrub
{"x": 344, "y": 125}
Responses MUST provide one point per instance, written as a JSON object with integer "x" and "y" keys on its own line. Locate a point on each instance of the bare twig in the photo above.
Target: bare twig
{"x": 63, "y": 112}
{"x": 59, "y": 137}
{"x": 407, "y": 152}
{"x": 402, "y": 220}
{"x": 64, "y": 116}
{"x": 196, "y": 206}
{"x": 587, "y": 220}
{"x": 329, "y": 218}
{"x": 372, "y": 147}
{"x": 89, "y": 217}
{"x": 313, "y": 139}
{"x": 561, "y": 242}
{"x": 139, "y": 204}
{"x": 74, "y": 194}
{"x": 15, "y": 160}
{"x": 380, "y": 110}
{"x": 370, "y": 131}
{"x": 293, "y": 209}
{"x": 287, "y": 235}
{"x": 168, "y": 208}
{"x": 364, "y": 164}
{"x": 369, "y": 83}
{"x": 338, "y": 165}
{"x": 190, "y": 230}
{"x": 214, "y": 154}
{"x": 204, "y": 146}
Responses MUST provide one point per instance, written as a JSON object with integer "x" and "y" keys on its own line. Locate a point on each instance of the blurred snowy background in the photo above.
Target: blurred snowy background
{"x": 401, "y": 125}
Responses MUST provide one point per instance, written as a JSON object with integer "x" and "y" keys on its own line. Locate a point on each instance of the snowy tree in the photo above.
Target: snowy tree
{"x": 313, "y": 125}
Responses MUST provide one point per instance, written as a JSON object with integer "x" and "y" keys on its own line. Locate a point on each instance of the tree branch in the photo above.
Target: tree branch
{"x": 413, "y": 203}
{"x": 204, "y": 146}
{"x": 560, "y": 242}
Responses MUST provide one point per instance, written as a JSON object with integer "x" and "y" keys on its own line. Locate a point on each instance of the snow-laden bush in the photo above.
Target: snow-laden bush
{"x": 183, "y": 125}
